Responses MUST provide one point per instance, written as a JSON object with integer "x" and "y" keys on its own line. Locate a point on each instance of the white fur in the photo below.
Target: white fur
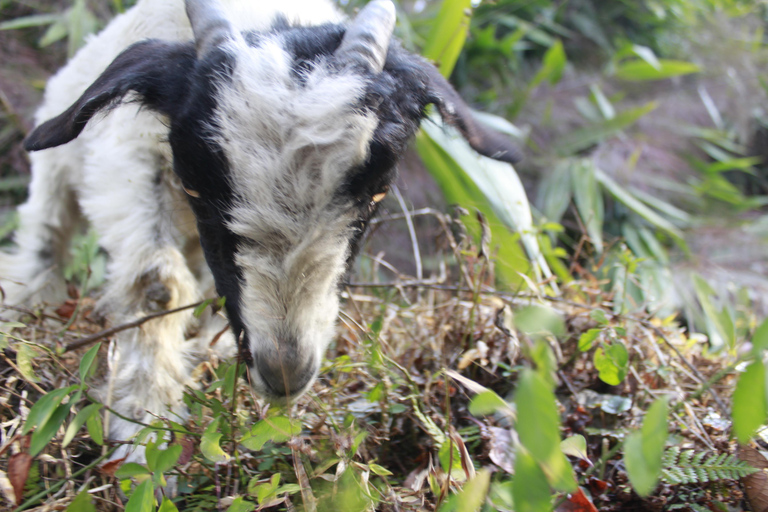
{"x": 108, "y": 176}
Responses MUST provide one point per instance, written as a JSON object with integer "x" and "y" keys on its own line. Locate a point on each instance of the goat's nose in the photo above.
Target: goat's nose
{"x": 286, "y": 375}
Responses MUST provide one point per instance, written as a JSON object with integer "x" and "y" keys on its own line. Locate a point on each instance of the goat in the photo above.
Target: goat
{"x": 256, "y": 139}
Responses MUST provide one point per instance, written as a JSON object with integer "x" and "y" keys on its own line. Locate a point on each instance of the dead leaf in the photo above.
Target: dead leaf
{"x": 109, "y": 468}
{"x": 756, "y": 484}
{"x": 67, "y": 309}
{"x": 577, "y": 502}
{"x": 187, "y": 450}
{"x": 500, "y": 452}
{"x": 18, "y": 471}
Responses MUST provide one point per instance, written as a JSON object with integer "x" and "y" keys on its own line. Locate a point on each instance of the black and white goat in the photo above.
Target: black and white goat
{"x": 281, "y": 124}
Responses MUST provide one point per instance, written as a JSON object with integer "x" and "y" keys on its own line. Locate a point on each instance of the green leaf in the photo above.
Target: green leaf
{"x": 24, "y": 356}
{"x": 539, "y": 319}
{"x": 612, "y": 363}
{"x": 587, "y": 339}
{"x": 167, "y": 458}
{"x": 639, "y": 208}
{"x": 642, "y": 70}
{"x": 209, "y": 444}
{"x": 578, "y": 140}
{"x": 448, "y": 33}
{"x": 36, "y": 20}
{"x": 87, "y": 361}
{"x": 589, "y": 201}
{"x": 458, "y": 188}
{"x": 142, "y": 499}
{"x": 469, "y": 179}
{"x": 83, "y": 502}
{"x": 598, "y": 315}
{"x": 643, "y": 450}
{"x": 575, "y": 446}
{"x": 485, "y": 403}
{"x": 473, "y": 494}
{"x": 552, "y": 66}
{"x": 198, "y": 311}
{"x": 379, "y": 470}
{"x": 47, "y": 430}
{"x": 95, "y": 429}
{"x": 129, "y": 470}
{"x": 240, "y": 505}
{"x": 43, "y": 409}
{"x": 529, "y": 487}
{"x": 80, "y": 418}
{"x": 538, "y": 427}
{"x": 277, "y": 429}
{"x": 450, "y": 457}
{"x": 760, "y": 338}
{"x": 749, "y": 402}
{"x": 167, "y": 506}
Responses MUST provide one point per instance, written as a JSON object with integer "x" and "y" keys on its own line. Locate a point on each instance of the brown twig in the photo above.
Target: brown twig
{"x": 93, "y": 338}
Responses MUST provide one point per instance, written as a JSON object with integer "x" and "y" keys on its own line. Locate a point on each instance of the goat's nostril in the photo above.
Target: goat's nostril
{"x": 285, "y": 377}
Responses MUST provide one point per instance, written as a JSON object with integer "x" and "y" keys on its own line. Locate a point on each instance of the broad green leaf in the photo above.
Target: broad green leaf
{"x": 643, "y": 450}
{"x": 538, "y": 427}
{"x": 749, "y": 402}
{"x": 43, "y": 409}
{"x": 575, "y": 446}
{"x": 642, "y": 70}
{"x": 485, "y": 403}
{"x": 129, "y": 470}
{"x": 589, "y": 201}
{"x": 87, "y": 361}
{"x": 277, "y": 429}
{"x": 587, "y": 339}
{"x": 142, "y": 499}
{"x": 48, "y": 429}
{"x": 458, "y": 188}
{"x": 612, "y": 363}
{"x": 167, "y": 458}
{"x": 95, "y": 428}
{"x": 80, "y": 418}
{"x": 529, "y": 487}
{"x": 732, "y": 164}
{"x": 448, "y": 33}
{"x": 598, "y": 315}
{"x": 500, "y": 187}
{"x": 583, "y": 138}
{"x": 82, "y": 503}
{"x": 209, "y": 444}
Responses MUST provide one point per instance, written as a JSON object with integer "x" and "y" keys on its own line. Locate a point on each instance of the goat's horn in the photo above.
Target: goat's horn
{"x": 209, "y": 24}
{"x": 367, "y": 39}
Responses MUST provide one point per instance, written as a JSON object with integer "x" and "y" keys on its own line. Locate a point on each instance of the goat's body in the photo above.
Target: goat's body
{"x": 283, "y": 125}
{"x": 118, "y": 176}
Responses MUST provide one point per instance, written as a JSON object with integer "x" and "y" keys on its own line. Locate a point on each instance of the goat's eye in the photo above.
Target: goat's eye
{"x": 190, "y": 192}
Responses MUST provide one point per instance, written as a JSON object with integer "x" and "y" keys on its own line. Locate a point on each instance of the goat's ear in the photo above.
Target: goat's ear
{"x": 455, "y": 112}
{"x": 155, "y": 70}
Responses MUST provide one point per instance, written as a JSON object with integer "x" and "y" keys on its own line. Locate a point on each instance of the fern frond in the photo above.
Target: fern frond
{"x": 686, "y": 467}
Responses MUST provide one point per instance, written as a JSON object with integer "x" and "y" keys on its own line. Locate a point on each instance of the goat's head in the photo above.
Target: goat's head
{"x": 285, "y": 140}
